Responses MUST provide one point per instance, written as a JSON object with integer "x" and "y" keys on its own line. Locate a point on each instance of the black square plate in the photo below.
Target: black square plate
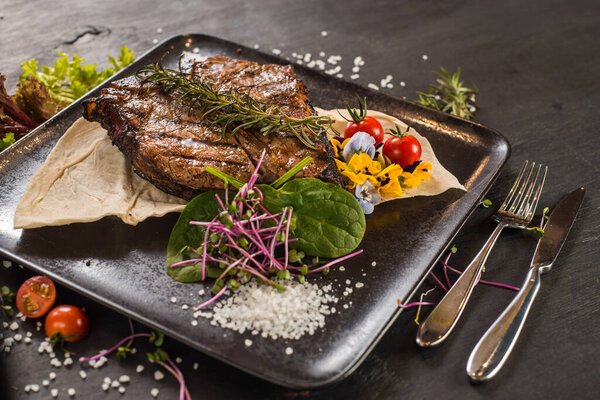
{"x": 123, "y": 267}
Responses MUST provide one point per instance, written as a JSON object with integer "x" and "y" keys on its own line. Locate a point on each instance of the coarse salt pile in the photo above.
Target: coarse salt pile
{"x": 262, "y": 309}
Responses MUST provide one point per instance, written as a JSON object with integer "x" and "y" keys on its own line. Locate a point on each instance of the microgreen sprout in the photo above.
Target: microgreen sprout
{"x": 246, "y": 240}
{"x": 487, "y": 203}
{"x": 158, "y": 356}
{"x": 539, "y": 230}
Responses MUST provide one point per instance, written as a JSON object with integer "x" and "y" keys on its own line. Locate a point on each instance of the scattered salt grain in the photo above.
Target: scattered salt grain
{"x": 373, "y": 86}
{"x": 115, "y": 384}
{"x": 342, "y": 268}
{"x": 45, "y": 382}
{"x": 196, "y": 50}
{"x": 158, "y": 375}
{"x": 18, "y": 337}
{"x": 425, "y": 57}
{"x": 154, "y": 41}
{"x": 68, "y": 361}
{"x": 321, "y": 54}
{"x": 374, "y": 263}
{"x": 201, "y": 292}
{"x": 52, "y": 376}
{"x": 29, "y": 334}
{"x": 196, "y": 365}
{"x": 139, "y": 369}
{"x": 256, "y": 46}
{"x": 105, "y": 387}
{"x": 184, "y": 306}
{"x": 345, "y": 306}
{"x": 359, "y": 285}
{"x": 289, "y": 351}
{"x": 402, "y": 83}
{"x": 82, "y": 374}
{"x": 289, "y": 314}
{"x": 354, "y": 76}
{"x": 178, "y": 360}
{"x": 173, "y": 299}
{"x": 35, "y": 388}
{"x": 348, "y": 281}
{"x": 71, "y": 392}
{"x": 122, "y": 389}
{"x": 27, "y": 388}
{"x": 6, "y": 263}
{"x": 194, "y": 322}
{"x": 324, "y": 33}
{"x": 124, "y": 378}
{"x": 54, "y": 392}
{"x": 248, "y": 342}
{"x": 154, "y": 392}
{"x": 14, "y": 326}
{"x": 276, "y": 52}
{"x": 159, "y": 30}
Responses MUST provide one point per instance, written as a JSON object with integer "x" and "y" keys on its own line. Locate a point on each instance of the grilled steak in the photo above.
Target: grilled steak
{"x": 170, "y": 147}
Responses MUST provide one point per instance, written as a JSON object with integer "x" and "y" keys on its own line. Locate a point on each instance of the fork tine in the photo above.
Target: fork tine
{"x": 521, "y": 192}
{"x": 536, "y": 198}
{"x": 525, "y": 202}
{"x": 510, "y": 194}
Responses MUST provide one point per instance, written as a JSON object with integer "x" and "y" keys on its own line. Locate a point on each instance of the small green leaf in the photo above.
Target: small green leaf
{"x": 487, "y": 203}
{"x": 453, "y": 249}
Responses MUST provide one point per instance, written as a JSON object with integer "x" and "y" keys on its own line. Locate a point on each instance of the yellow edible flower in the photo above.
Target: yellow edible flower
{"x": 360, "y": 168}
{"x": 387, "y": 182}
{"x": 420, "y": 174}
{"x": 338, "y": 147}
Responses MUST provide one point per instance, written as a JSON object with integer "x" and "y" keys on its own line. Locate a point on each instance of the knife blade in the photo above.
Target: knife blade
{"x": 494, "y": 347}
{"x": 557, "y": 228}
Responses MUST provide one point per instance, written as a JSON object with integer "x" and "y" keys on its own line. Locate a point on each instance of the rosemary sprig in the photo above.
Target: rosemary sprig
{"x": 233, "y": 109}
{"x": 450, "y": 95}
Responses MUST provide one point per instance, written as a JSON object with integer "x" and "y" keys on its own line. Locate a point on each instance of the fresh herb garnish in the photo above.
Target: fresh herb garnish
{"x": 7, "y": 140}
{"x": 263, "y": 232}
{"x": 6, "y": 297}
{"x": 234, "y": 109}
{"x": 486, "y": 203}
{"x": 451, "y": 94}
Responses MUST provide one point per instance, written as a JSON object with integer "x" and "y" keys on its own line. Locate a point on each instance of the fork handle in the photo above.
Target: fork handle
{"x": 493, "y": 349}
{"x": 444, "y": 316}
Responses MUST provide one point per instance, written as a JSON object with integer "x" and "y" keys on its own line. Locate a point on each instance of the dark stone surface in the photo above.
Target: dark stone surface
{"x": 536, "y": 67}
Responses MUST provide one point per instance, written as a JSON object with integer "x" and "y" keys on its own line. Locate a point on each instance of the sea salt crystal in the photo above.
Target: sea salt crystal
{"x": 82, "y": 374}
{"x": 54, "y": 392}
{"x": 124, "y": 379}
{"x": 289, "y": 351}
{"x": 159, "y": 30}
{"x": 196, "y": 50}
{"x": 105, "y": 386}
{"x": 139, "y": 369}
{"x": 324, "y": 33}
{"x": 52, "y": 376}
{"x": 196, "y": 365}
{"x": 348, "y": 281}
{"x": 185, "y": 307}
{"x": 248, "y": 342}
{"x": 154, "y": 41}
{"x": 342, "y": 268}
{"x": 158, "y": 375}
{"x": 27, "y": 388}
{"x": 256, "y": 46}
{"x": 14, "y": 326}
{"x": 173, "y": 299}
{"x": 178, "y": 360}
{"x": 154, "y": 392}
{"x": 115, "y": 384}
{"x": 122, "y": 389}
{"x": 6, "y": 263}
{"x": 359, "y": 285}
{"x": 194, "y": 322}
{"x": 71, "y": 392}
{"x": 402, "y": 83}
{"x": 35, "y": 388}
{"x": 276, "y": 52}
{"x": 373, "y": 86}
{"x": 425, "y": 57}
{"x": 18, "y": 337}
{"x": 45, "y": 382}
{"x": 201, "y": 292}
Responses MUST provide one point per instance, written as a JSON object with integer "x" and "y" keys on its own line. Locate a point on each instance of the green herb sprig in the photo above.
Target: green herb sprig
{"x": 6, "y": 296}
{"x": 233, "y": 109}
{"x": 451, "y": 94}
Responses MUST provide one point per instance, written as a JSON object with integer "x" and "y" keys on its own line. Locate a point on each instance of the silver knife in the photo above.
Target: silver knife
{"x": 493, "y": 349}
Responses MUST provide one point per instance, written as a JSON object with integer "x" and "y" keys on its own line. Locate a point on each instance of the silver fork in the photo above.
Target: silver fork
{"x": 516, "y": 212}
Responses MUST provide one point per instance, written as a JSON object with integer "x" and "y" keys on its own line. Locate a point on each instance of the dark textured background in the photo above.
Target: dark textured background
{"x": 536, "y": 66}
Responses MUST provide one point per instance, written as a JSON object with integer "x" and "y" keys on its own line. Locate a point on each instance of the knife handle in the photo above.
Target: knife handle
{"x": 440, "y": 322}
{"x": 493, "y": 349}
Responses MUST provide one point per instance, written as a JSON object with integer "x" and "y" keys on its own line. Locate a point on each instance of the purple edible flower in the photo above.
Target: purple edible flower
{"x": 367, "y": 197}
{"x": 361, "y": 142}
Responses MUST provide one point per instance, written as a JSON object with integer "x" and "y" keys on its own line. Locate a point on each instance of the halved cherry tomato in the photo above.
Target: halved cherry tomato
{"x": 36, "y": 296}
{"x": 368, "y": 125}
{"x": 69, "y": 322}
{"x": 402, "y": 151}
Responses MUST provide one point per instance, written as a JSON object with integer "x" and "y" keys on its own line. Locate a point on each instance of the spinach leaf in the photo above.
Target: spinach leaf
{"x": 203, "y": 207}
{"x": 329, "y": 220}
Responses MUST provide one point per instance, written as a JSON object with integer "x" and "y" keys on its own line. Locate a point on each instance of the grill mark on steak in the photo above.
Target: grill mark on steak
{"x": 170, "y": 147}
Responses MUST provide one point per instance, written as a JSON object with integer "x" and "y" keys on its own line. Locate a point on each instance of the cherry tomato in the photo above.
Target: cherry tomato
{"x": 402, "y": 151}
{"x": 368, "y": 125}
{"x": 36, "y": 296}
{"x": 69, "y": 321}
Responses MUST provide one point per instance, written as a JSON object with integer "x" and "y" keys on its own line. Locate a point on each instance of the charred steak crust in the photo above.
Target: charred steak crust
{"x": 170, "y": 147}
